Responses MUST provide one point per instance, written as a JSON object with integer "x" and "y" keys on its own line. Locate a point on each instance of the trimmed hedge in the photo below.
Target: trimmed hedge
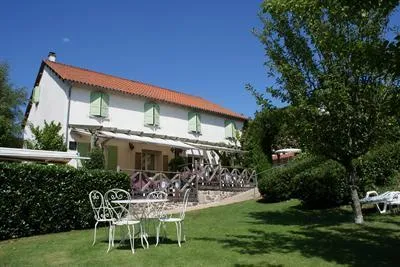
{"x": 39, "y": 199}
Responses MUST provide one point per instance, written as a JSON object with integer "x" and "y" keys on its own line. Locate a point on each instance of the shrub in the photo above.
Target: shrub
{"x": 379, "y": 168}
{"x": 277, "y": 185}
{"x": 39, "y": 199}
{"x": 96, "y": 161}
{"x": 322, "y": 186}
{"x": 176, "y": 164}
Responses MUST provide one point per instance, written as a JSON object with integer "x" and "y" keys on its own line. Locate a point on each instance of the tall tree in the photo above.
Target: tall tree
{"x": 11, "y": 101}
{"x": 47, "y": 138}
{"x": 330, "y": 62}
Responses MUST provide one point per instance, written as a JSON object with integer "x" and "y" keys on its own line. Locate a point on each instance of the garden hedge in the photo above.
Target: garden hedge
{"x": 39, "y": 199}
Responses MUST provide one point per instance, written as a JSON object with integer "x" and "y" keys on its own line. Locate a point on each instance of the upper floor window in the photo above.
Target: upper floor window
{"x": 36, "y": 94}
{"x": 99, "y": 104}
{"x": 151, "y": 114}
{"x": 194, "y": 120}
{"x": 230, "y": 129}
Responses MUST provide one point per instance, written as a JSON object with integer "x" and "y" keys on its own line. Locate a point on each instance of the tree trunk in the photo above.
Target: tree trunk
{"x": 358, "y": 217}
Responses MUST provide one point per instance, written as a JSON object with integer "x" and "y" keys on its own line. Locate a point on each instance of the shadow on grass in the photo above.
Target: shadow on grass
{"x": 326, "y": 234}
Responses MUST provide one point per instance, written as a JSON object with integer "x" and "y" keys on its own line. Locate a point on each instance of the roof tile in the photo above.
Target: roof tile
{"x": 156, "y": 93}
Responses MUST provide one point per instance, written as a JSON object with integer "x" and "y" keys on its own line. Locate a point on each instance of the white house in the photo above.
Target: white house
{"x": 140, "y": 126}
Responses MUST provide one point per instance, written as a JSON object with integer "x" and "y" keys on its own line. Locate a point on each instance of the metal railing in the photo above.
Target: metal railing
{"x": 205, "y": 177}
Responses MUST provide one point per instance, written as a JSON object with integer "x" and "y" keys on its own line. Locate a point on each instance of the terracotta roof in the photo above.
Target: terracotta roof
{"x": 92, "y": 78}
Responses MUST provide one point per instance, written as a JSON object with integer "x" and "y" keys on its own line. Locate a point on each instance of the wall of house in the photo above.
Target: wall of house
{"x": 52, "y": 104}
{"x": 127, "y": 112}
{"x": 126, "y": 154}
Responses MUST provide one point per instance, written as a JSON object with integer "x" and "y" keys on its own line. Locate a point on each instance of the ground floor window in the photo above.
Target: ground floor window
{"x": 148, "y": 160}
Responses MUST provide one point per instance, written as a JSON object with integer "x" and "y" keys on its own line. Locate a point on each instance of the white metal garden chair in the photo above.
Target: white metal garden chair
{"x": 123, "y": 215}
{"x": 101, "y": 212}
{"x": 177, "y": 220}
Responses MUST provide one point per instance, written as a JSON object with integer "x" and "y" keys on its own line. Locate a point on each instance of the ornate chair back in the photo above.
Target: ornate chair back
{"x": 156, "y": 210}
{"x": 97, "y": 203}
{"x": 120, "y": 210}
{"x": 184, "y": 203}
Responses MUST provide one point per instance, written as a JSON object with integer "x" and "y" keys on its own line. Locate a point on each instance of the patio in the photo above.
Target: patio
{"x": 243, "y": 234}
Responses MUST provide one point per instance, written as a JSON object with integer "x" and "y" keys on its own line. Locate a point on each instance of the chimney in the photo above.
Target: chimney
{"x": 52, "y": 56}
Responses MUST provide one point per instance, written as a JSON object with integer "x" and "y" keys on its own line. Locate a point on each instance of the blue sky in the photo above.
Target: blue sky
{"x": 204, "y": 48}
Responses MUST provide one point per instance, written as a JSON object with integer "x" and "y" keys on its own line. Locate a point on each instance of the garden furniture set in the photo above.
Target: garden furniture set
{"x": 117, "y": 208}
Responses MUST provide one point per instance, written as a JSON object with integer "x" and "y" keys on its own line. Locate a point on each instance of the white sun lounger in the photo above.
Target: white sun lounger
{"x": 386, "y": 199}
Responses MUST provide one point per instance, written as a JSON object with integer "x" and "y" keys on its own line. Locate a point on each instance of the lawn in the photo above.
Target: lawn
{"x": 245, "y": 234}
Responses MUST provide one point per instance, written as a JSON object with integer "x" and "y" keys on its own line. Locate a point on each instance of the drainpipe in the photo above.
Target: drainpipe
{"x": 67, "y": 119}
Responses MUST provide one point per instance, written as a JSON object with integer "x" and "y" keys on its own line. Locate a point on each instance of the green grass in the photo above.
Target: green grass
{"x": 245, "y": 234}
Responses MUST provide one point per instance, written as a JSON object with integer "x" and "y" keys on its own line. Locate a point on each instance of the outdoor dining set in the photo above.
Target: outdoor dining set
{"x": 117, "y": 208}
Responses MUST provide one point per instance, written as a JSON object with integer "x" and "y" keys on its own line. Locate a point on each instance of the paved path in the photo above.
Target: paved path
{"x": 247, "y": 195}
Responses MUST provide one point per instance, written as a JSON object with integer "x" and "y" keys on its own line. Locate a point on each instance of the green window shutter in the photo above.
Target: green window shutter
{"x": 105, "y": 98}
{"x": 192, "y": 121}
{"x": 228, "y": 129}
{"x": 36, "y": 94}
{"x": 95, "y": 103}
{"x": 83, "y": 149}
{"x": 148, "y": 114}
{"x": 234, "y": 129}
{"x": 156, "y": 109}
{"x": 198, "y": 123}
{"x": 112, "y": 157}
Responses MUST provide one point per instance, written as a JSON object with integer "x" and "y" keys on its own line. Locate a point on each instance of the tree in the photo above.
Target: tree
{"x": 11, "y": 101}
{"x": 96, "y": 161}
{"x": 330, "y": 61}
{"x": 268, "y": 131}
{"x": 47, "y": 138}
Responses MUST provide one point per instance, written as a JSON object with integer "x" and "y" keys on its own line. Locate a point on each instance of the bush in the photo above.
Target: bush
{"x": 379, "y": 168}
{"x": 176, "y": 164}
{"x": 322, "y": 186}
{"x": 277, "y": 185}
{"x": 96, "y": 161}
{"x": 39, "y": 199}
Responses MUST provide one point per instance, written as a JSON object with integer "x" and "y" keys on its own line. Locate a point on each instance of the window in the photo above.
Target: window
{"x": 83, "y": 149}
{"x": 99, "y": 104}
{"x": 230, "y": 129}
{"x": 151, "y": 114}
{"x": 36, "y": 94}
{"x": 194, "y": 120}
{"x": 148, "y": 160}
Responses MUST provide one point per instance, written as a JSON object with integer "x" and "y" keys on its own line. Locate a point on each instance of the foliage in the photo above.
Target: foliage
{"x": 331, "y": 62}
{"x": 380, "y": 168}
{"x": 277, "y": 183}
{"x": 176, "y": 164}
{"x": 11, "y": 100}
{"x": 47, "y": 138}
{"x": 37, "y": 199}
{"x": 96, "y": 161}
{"x": 322, "y": 186}
{"x": 320, "y": 183}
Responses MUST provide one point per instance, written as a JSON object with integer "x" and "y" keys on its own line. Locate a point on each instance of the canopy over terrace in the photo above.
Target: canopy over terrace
{"x": 145, "y": 143}
{"x": 137, "y": 138}
{"x": 158, "y": 140}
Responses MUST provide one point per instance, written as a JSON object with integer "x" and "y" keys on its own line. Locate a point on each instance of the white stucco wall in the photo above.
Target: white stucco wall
{"x": 52, "y": 103}
{"x": 127, "y": 112}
